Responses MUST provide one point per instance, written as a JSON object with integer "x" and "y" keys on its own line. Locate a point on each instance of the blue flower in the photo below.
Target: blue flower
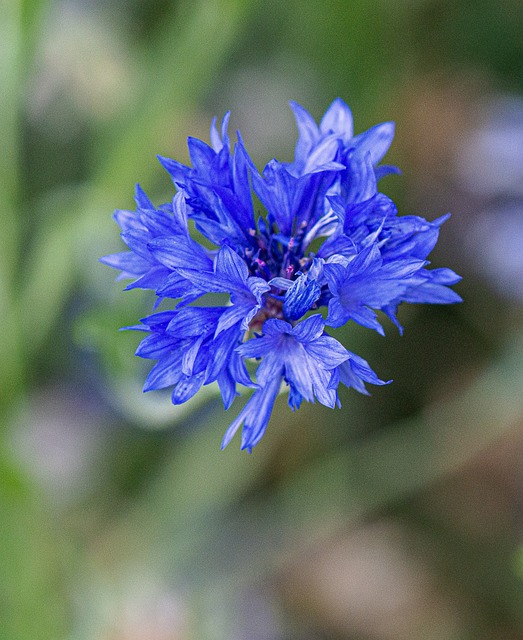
{"x": 326, "y": 238}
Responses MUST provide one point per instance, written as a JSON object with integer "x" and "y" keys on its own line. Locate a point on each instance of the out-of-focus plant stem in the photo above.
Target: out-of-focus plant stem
{"x": 11, "y": 352}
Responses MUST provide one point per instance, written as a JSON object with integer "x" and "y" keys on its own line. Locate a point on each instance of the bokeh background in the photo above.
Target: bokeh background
{"x": 399, "y": 517}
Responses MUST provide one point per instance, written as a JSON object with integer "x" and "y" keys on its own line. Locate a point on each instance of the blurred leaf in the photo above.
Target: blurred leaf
{"x": 33, "y": 602}
{"x": 19, "y": 20}
{"x": 10, "y": 81}
{"x": 52, "y": 265}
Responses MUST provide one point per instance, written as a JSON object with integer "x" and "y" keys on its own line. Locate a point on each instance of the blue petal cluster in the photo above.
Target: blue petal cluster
{"x": 326, "y": 238}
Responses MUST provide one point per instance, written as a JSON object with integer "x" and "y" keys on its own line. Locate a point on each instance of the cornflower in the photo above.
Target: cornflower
{"x": 326, "y": 239}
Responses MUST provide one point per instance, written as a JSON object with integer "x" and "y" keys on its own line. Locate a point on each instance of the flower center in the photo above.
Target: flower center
{"x": 273, "y": 308}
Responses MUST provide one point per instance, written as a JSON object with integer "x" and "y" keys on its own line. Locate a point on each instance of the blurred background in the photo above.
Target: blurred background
{"x": 399, "y": 517}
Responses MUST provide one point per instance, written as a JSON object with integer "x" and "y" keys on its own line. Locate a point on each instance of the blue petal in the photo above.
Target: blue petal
{"x": 127, "y": 220}
{"x": 234, "y": 315}
{"x": 228, "y": 264}
{"x": 179, "y": 208}
{"x": 356, "y": 371}
{"x": 386, "y": 170}
{"x": 335, "y": 274}
{"x": 208, "y": 281}
{"x": 431, "y": 293}
{"x": 337, "y": 315}
{"x": 379, "y": 204}
{"x": 239, "y": 371}
{"x": 176, "y": 252}
{"x": 297, "y": 370}
{"x": 367, "y": 318}
{"x": 444, "y": 276}
{"x": 241, "y": 167}
{"x": 220, "y": 353}
{"x": 194, "y": 321}
{"x": 276, "y": 189}
{"x": 201, "y": 154}
{"x": 256, "y": 347}
{"x": 128, "y": 262}
{"x": 328, "y": 350}
{"x": 308, "y": 131}
{"x": 159, "y": 222}
{"x": 257, "y": 287}
{"x": 322, "y": 154}
{"x": 158, "y": 321}
{"x": 256, "y": 415}
{"x": 217, "y": 142}
{"x": 362, "y": 179}
{"x": 137, "y": 241}
{"x": 376, "y": 141}
{"x": 189, "y": 356}
{"x": 309, "y": 329}
{"x": 323, "y": 390}
{"x": 338, "y": 119}
{"x": 178, "y": 172}
{"x": 165, "y": 373}
{"x": 227, "y": 388}
{"x": 238, "y": 210}
{"x": 155, "y": 346}
{"x": 273, "y": 363}
{"x": 281, "y": 283}
{"x": 275, "y": 327}
{"x": 141, "y": 199}
{"x": 187, "y": 388}
{"x": 295, "y": 398}
{"x": 175, "y": 285}
{"x": 300, "y": 297}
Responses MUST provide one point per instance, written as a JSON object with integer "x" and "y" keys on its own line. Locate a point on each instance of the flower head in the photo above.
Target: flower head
{"x": 366, "y": 259}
